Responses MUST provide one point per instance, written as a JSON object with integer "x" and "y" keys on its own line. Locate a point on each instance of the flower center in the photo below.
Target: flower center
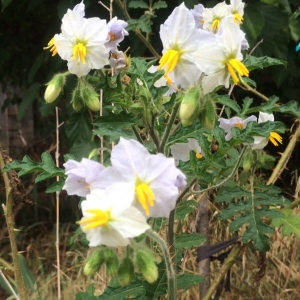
{"x": 215, "y": 25}
{"x": 79, "y": 52}
{"x": 239, "y": 125}
{"x": 51, "y": 46}
{"x": 169, "y": 59}
{"x": 145, "y": 196}
{"x": 275, "y": 138}
{"x": 237, "y": 18}
{"x": 112, "y": 36}
{"x": 199, "y": 155}
{"x": 99, "y": 218}
{"x": 234, "y": 66}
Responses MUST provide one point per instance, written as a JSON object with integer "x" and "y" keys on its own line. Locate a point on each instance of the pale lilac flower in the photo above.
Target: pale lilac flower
{"x": 108, "y": 217}
{"x": 117, "y": 60}
{"x": 198, "y": 15}
{"x": 83, "y": 176}
{"x": 155, "y": 177}
{"x": 116, "y": 33}
{"x": 238, "y": 122}
{"x": 81, "y": 43}
{"x": 181, "y": 151}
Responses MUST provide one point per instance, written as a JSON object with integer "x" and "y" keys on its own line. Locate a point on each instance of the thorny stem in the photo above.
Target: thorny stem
{"x": 230, "y": 260}
{"x": 166, "y": 134}
{"x": 57, "y": 208}
{"x": 247, "y": 87}
{"x": 137, "y": 134}
{"x": 172, "y": 288}
{"x": 9, "y": 216}
{"x": 284, "y": 157}
{"x": 227, "y": 178}
{"x": 137, "y": 32}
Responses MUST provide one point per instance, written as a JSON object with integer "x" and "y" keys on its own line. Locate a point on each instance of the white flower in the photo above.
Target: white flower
{"x": 156, "y": 179}
{"x": 116, "y": 33}
{"x": 181, "y": 151}
{"x": 261, "y": 142}
{"x": 198, "y": 15}
{"x": 212, "y": 16}
{"x": 222, "y": 59}
{"x": 181, "y": 39}
{"x": 165, "y": 80}
{"x": 238, "y": 122}
{"x": 83, "y": 176}
{"x": 236, "y": 8}
{"x": 108, "y": 217}
{"x": 81, "y": 43}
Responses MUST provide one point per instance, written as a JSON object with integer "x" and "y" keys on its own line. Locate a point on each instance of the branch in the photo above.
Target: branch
{"x": 9, "y": 216}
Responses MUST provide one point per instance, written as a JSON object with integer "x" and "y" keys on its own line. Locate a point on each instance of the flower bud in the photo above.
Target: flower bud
{"x": 145, "y": 261}
{"x": 208, "y": 115}
{"x": 248, "y": 161}
{"x": 111, "y": 260}
{"x": 94, "y": 262}
{"x": 54, "y": 87}
{"x": 76, "y": 101}
{"x": 126, "y": 272}
{"x": 90, "y": 97}
{"x": 190, "y": 106}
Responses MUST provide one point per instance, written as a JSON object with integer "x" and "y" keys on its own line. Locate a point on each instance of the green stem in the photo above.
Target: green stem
{"x": 284, "y": 157}
{"x": 236, "y": 166}
{"x": 137, "y": 134}
{"x": 230, "y": 260}
{"x": 247, "y": 87}
{"x": 9, "y": 216}
{"x": 137, "y": 32}
{"x": 295, "y": 203}
{"x": 170, "y": 235}
{"x": 166, "y": 134}
{"x": 172, "y": 288}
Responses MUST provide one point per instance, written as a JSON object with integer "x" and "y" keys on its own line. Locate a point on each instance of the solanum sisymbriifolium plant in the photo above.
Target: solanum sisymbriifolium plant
{"x": 168, "y": 130}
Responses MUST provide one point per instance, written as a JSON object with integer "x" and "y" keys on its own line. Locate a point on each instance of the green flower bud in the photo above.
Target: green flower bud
{"x": 208, "y": 115}
{"x": 94, "y": 262}
{"x": 111, "y": 260}
{"x": 54, "y": 87}
{"x": 248, "y": 161}
{"x": 145, "y": 262}
{"x": 190, "y": 106}
{"x": 76, "y": 101}
{"x": 90, "y": 97}
{"x": 126, "y": 272}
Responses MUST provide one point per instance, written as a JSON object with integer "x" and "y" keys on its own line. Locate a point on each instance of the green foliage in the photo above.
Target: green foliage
{"x": 188, "y": 240}
{"x": 184, "y": 208}
{"x": 186, "y": 280}
{"x": 88, "y": 295}
{"x": 290, "y": 223}
{"x": 252, "y": 62}
{"x": 251, "y": 207}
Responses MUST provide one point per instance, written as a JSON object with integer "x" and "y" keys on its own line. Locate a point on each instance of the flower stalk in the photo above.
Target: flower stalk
{"x": 171, "y": 277}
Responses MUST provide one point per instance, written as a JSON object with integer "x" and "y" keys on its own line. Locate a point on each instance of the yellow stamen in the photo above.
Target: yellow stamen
{"x": 215, "y": 25}
{"x": 170, "y": 59}
{"x": 199, "y": 155}
{"x": 51, "y": 46}
{"x": 238, "y": 18}
{"x": 168, "y": 79}
{"x": 235, "y": 65}
{"x": 275, "y": 138}
{"x": 239, "y": 125}
{"x": 112, "y": 36}
{"x": 145, "y": 196}
{"x": 100, "y": 218}
{"x": 79, "y": 52}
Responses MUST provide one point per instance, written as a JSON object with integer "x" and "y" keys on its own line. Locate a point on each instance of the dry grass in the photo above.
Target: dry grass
{"x": 279, "y": 280}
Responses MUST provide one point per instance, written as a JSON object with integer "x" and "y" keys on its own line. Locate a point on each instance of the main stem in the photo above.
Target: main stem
{"x": 9, "y": 216}
{"x": 172, "y": 288}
